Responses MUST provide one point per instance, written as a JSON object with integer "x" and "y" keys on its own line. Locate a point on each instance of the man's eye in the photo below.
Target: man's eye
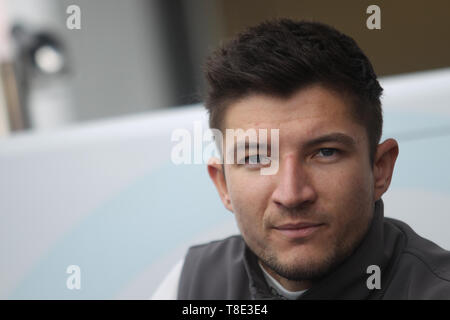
{"x": 328, "y": 152}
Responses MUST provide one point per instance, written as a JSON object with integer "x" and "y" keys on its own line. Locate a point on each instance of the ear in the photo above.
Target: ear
{"x": 217, "y": 174}
{"x": 383, "y": 167}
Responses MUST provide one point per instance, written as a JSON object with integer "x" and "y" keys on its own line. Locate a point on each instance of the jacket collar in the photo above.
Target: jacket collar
{"x": 349, "y": 279}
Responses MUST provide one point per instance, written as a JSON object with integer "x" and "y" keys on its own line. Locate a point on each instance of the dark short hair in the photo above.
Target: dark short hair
{"x": 280, "y": 57}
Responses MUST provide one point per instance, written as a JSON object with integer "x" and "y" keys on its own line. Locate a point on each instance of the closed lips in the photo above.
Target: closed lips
{"x": 293, "y": 226}
{"x": 298, "y": 230}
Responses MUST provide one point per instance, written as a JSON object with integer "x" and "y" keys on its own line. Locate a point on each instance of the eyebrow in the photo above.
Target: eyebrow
{"x": 332, "y": 137}
{"x": 337, "y": 137}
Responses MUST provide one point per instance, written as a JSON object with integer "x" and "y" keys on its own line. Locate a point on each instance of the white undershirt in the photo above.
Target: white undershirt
{"x": 272, "y": 282}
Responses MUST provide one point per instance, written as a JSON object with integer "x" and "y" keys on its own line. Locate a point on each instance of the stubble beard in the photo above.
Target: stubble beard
{"x": 313, "y": 270}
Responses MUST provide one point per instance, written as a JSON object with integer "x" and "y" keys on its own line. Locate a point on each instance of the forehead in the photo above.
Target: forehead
{"x": 310, "y": 111}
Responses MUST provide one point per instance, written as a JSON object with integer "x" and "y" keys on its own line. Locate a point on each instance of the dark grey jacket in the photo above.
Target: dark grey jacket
{"x": 411, "y": 268}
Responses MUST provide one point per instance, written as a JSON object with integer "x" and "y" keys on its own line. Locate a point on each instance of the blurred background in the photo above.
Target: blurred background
{"x": 86, "y": 117}
{"x": 140, "y": 55}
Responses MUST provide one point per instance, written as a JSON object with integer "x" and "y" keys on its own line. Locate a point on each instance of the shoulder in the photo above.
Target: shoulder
{"x": 196, "y": 258}
{"x": 215, "y": 270}
{"x": 423, "y": 265}
{"x": 214, "y": 257}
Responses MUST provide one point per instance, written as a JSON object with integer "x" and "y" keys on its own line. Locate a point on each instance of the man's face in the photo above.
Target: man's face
{"x": 326, "y": 185}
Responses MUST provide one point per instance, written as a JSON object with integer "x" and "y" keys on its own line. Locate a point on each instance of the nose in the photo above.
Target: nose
{"x": 294, "y": 186}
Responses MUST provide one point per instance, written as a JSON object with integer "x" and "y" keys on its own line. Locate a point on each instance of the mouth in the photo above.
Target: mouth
{"x": 298, "y": 230}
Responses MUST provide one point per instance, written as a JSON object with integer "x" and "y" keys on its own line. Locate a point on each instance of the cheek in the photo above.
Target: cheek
{"x": 354, "y": 212}
{"x": 249, "y": 199}
{"x": 248, "y": 191}
{"x": 348, "y": 192}
{"x": 346, "y": 181}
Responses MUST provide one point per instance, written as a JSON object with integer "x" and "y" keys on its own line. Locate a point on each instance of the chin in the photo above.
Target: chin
{"x": 301, "y": 265}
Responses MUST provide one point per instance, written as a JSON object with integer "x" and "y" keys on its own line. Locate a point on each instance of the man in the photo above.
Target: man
{"x": 314, "y": 229}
